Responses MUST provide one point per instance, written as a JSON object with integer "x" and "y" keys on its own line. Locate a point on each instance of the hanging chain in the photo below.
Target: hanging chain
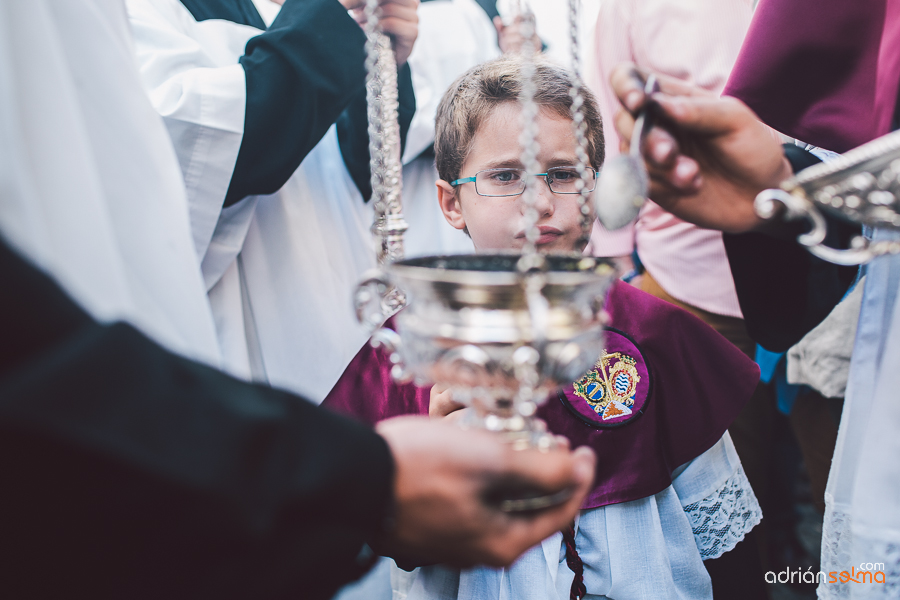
{"x": 583, "y": 185}
{"x": 384, "y": 139}
{"x": 531, "y": 258}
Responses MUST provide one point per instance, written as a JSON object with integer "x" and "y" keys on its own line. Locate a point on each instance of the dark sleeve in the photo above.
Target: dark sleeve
{"x": 784, "y": 291}
{"x": 129, "y": 472}
{"x": 301, "y": 74}
{"x": 353, "y": 130}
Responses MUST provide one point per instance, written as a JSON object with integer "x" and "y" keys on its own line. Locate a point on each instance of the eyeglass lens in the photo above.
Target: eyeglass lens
{"x": 511, "y": 182}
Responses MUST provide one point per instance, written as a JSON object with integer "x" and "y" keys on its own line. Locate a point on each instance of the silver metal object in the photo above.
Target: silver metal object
{"x": 531, "y": 259}
{"x": 623, "y": 184}
{"x": 384, "y": 139}
{"x": 501, "y": 331}
{"x": 580, "y": 126}
{"x": 862, "y": 186}
{"x": 500, "y": 346}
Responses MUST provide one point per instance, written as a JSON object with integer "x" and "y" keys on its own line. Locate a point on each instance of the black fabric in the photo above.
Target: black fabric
{"x": 129, "y": 472}
{"x": 490, "y": 7}
{"x": 353, "y": 134}
{"x": 799, "y": 158}
{"x": 784, "y": 291}
{"x": 301, "y": 75}
{"x": 238, "y": 11}
{"x": 738, "y": 574}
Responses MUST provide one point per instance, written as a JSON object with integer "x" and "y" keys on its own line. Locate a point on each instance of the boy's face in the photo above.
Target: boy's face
{"x": 495, "y": 223}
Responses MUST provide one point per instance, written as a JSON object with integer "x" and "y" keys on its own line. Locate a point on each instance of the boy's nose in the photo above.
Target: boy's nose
{"x": 545, "y": 200}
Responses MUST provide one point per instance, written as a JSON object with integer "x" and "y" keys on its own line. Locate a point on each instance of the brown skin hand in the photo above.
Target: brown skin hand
{"x": 708, "y": 157}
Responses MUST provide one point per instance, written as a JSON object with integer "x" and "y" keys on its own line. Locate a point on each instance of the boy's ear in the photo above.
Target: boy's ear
{"x": 449, "y": 202}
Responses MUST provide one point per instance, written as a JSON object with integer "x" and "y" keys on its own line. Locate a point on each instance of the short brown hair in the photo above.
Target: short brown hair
{"x": 474, "y": 96}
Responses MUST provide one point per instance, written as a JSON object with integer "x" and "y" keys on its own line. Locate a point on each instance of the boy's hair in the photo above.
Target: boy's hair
{"x": 474, "y": 96}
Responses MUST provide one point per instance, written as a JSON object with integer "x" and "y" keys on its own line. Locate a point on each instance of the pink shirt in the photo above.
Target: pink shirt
{"x": 697, "y": 41}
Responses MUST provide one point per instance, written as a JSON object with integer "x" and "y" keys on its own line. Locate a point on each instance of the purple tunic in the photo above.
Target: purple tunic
{"x": 822, "y": 71}
{"x": 665, "y": 390}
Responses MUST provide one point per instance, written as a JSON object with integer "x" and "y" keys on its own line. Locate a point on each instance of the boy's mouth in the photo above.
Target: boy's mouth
{"x": 548, "y": 235}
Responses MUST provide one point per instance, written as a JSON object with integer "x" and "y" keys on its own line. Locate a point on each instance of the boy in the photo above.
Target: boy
{"x": 669, "y": 489}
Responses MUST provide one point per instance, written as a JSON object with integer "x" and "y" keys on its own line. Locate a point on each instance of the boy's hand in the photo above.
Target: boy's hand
{"x": 442, "y": 403}
{"x": 708, "y": 158}
{"x": 444, "y": 475}
{"x": 398, "y": 19}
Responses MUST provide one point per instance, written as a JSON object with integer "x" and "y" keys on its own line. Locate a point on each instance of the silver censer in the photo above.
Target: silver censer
{"x": 500, "y": 331}
{"x": 862, "y": 186}
{"x": 500, "y": 340}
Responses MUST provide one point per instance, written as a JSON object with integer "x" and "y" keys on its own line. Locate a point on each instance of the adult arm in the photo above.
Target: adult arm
{"x": 131, "y": 472}
{"x": 299, "y": 81}
{"x": 244, "y": 107}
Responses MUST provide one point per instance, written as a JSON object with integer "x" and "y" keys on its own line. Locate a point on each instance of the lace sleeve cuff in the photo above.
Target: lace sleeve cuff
{"x": 723, "y": 518}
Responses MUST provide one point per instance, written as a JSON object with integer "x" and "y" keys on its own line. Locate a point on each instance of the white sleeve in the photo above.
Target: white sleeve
{"x": 717, "y": 499}
{"x": 453, "y": 37}
{"x": 191, "y": 72}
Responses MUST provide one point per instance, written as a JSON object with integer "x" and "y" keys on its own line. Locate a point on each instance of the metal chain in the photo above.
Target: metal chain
{"x": 531, "y": 258}
{"x": 384, "y": 139}
{"x": 580, "y": 126}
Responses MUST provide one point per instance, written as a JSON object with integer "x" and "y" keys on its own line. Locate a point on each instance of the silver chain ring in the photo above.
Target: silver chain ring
{"x": 580, "y": 125}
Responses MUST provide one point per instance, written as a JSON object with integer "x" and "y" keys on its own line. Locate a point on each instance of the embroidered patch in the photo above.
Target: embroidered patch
{"x": 615, "y": 391}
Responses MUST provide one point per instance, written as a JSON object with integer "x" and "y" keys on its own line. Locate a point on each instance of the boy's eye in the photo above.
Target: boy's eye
{"x": 501, "y": 177}
{"x": 563, "y": 175}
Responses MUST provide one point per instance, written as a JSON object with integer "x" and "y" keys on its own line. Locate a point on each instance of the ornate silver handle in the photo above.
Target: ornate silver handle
{"x": 393, "y": 344}
{"x": 370, "y": 300}
{"x": 796, "y": 208}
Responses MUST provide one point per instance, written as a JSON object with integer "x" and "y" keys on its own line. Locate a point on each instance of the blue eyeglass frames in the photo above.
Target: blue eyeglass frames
{"x": 511, "y": 182}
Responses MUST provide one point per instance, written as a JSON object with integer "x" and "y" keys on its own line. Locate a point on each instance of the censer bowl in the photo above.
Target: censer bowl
{"x": 501, "y": 340}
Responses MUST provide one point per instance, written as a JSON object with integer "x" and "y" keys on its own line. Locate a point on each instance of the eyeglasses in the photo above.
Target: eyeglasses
{"x": 511, "y": 182}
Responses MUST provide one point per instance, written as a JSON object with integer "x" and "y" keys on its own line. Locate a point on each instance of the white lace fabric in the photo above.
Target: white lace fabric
{"x": 836, "y": 546}
{"x": 722, "y": 519}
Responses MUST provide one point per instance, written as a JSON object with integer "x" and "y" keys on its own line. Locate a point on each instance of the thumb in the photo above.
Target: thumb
{"x": 706, "y": 115}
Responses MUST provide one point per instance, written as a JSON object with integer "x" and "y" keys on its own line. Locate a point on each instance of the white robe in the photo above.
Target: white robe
{"x": 647, "y": 549}
{"x": 453, "y": 37}
{"x": 280, "y": 269}
{"x": 90, "y": 189}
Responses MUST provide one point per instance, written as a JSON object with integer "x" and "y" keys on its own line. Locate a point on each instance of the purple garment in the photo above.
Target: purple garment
{"x": 686, "y": 381}
{"x": 823, "y": 71}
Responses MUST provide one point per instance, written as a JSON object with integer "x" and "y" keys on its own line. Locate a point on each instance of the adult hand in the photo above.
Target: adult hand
{"x": 708, "y": 157}
{"x": 399, "y": 20}
{"x": 444, "y": 475}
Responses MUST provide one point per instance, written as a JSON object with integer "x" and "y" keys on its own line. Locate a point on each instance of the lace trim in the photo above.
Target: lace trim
{"x": 836, "y": 543}
{"x": 887, "y": 552}
{"x": 875, "y": 560}
{"x": 723, "y": 518}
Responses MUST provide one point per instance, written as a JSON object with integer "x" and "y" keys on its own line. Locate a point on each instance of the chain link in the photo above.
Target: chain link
{"x": 580, "y": 126}
{"x": 531, "y": 258}
{"x": 384, "y": 139}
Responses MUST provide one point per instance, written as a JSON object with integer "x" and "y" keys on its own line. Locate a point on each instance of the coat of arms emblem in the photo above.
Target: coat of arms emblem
{"x": 609, "y": 388}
